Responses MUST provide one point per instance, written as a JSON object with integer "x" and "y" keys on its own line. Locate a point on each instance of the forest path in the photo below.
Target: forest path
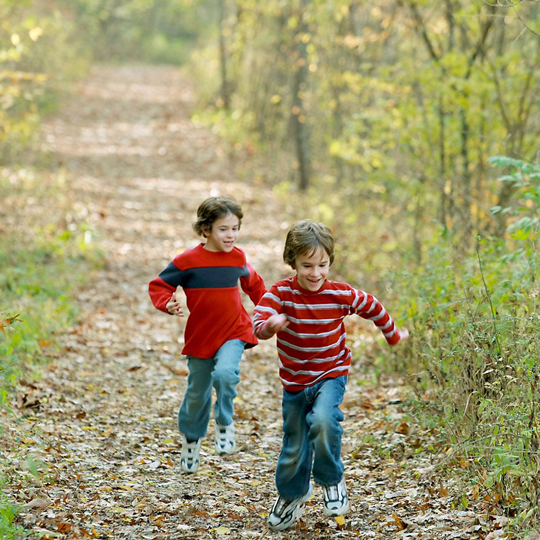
{"x": 105, "y": 424}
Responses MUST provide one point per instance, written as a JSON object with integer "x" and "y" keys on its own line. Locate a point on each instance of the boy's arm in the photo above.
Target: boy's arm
{"x": 368, "y": 307}
{"x": 162, "y": 288}
{"x": 253, "y": 285}
{"x": 267, "y": 317}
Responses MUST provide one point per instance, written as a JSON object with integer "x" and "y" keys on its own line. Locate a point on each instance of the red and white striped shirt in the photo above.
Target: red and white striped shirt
{"x": 313, "y": 347}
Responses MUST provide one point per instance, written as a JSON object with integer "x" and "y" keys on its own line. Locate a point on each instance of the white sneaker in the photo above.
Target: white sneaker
{"x": 336, "y": 502}
{"x": 225, "y": 439}
{"x": 285, "y": 513}
{"x": 189, "y": 456}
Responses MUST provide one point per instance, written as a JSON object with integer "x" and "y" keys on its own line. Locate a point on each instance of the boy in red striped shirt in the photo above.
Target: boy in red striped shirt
{"x": 306, "y": 312}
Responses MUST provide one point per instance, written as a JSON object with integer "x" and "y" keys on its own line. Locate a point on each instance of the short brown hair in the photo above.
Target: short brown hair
{"x": 305, "y": 237}
{"x": 213, "y": 209}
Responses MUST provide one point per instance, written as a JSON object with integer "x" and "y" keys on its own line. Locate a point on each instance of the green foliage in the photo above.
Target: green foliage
{"x": 524, "y": 179}
{"x": 44, "y": 257}
{"x": 473, "y": 357}
{"x": 37, "y": 57}
{"x": 394, "y": 95}
{"x": 8, "y": 530}
{"x": 149, "y": 30}
{"x": 37, "y": 279}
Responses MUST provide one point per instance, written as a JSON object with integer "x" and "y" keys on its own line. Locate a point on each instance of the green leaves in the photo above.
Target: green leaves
{"x": 8, "y": 530}
{"x": 523, "y": 178}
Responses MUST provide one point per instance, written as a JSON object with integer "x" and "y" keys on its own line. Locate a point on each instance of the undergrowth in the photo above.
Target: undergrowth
{"x": 473, "y": 358}
{"x": 45, "y": 257}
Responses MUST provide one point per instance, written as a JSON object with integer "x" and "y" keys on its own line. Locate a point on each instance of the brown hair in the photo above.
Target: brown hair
{"x": 213, "y": 209}
{"x": 306, "y": 237}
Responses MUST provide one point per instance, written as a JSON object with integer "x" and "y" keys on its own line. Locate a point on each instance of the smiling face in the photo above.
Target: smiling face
{"x": 312, "y": 269}
{"x": 223, "y": 235}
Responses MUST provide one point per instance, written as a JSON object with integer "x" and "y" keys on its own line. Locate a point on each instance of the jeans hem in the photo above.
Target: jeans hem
{"x": 328, "y": 484}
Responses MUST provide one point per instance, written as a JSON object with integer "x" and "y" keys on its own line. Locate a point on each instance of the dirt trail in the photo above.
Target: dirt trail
{"x": 106, "y": 427}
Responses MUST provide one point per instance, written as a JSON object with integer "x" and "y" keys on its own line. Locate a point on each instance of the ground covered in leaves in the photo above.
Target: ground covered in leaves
{"x": 99, "y": 427}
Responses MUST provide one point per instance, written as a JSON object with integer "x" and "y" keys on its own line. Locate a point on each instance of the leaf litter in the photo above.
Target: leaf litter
{"x": 92, "y": 449}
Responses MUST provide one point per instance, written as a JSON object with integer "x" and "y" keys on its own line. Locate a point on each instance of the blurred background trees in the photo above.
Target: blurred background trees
{"x": 400, "y": 102}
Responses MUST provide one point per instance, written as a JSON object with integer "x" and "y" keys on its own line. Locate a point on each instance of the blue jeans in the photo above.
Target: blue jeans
{"x": 311, "y": 438}
{"x": 222, "y": 373}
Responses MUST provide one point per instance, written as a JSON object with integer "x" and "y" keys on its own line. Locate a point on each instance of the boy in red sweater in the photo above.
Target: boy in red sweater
{"x": 306, "y": 312}
{"x": 218, "y": 328}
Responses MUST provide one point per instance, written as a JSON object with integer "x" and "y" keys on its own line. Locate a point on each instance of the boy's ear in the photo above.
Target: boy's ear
{"x": 205, "y": 231}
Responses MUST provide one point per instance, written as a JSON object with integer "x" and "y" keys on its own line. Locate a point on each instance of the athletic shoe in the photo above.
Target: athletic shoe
{"x": 225, "y": 440}
{"x": 285, "y": 512}
{"x": 189, "y": 456}
{"x": 336, "y": 502}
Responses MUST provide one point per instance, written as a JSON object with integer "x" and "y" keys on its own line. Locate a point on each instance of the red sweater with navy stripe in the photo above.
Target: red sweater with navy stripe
{"x": 313, "y": 347}
{"x": 210, "y": 282}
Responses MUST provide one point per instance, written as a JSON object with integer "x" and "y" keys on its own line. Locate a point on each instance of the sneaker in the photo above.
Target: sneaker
{"x": 189, "y": 456}
{"x": 285, "y": 513}
{"x": 336, "y": 502}
{"x": 225, "y": 440}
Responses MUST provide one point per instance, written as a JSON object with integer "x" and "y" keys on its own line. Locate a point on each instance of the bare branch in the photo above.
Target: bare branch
{"x": 509, "y": 3}
{"x": 525, "y": 24}
{"x": 513, "y": 4}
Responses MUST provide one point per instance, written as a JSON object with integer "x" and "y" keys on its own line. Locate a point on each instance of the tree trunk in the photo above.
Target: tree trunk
{"x": 224, "y": 90}
{"x": 467, "y": 192}
{"x": 442, "y": 166}
{"x": 298, "y": 116}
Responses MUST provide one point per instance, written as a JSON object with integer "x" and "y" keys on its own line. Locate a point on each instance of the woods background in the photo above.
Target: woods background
{"x": 411, "y": 127}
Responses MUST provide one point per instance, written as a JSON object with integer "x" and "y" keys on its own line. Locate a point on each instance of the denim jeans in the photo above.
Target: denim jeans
{"x": 222, "y": 373}
{"x": 311, "y": 438}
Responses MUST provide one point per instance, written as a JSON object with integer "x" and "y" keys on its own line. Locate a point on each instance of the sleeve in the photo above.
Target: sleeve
{"x": 270, "y": 304}
{"x": 162, "y": 287}
{"x": 253, "y": 285}
{"x": 368, "y": 307}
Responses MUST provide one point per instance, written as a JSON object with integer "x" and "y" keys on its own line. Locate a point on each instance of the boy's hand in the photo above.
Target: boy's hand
{"x": 403, "y": 334}
{"x": 276, "y": 323}
{"x": 173, "y": 306}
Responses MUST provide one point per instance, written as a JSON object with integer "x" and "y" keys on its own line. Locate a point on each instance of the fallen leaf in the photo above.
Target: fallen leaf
{"x": 403, "y": 428}
{"x": 38, "y": 504}
{"x": 493, "y": 535}
{"x": 399, "y": 523}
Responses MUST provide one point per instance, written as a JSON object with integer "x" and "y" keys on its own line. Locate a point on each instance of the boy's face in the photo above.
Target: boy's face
{"x": 312, "y": 269}
{"x": 223, "y": 235}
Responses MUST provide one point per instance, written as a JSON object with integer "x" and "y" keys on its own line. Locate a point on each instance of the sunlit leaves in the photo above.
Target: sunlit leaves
{"x": 35, "y": 33}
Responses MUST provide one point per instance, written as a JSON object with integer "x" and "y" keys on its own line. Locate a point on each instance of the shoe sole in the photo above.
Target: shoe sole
{"x": 337, "y": 512}
{"x": 222, "y": 451}
{"x": 189, "y": 471}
